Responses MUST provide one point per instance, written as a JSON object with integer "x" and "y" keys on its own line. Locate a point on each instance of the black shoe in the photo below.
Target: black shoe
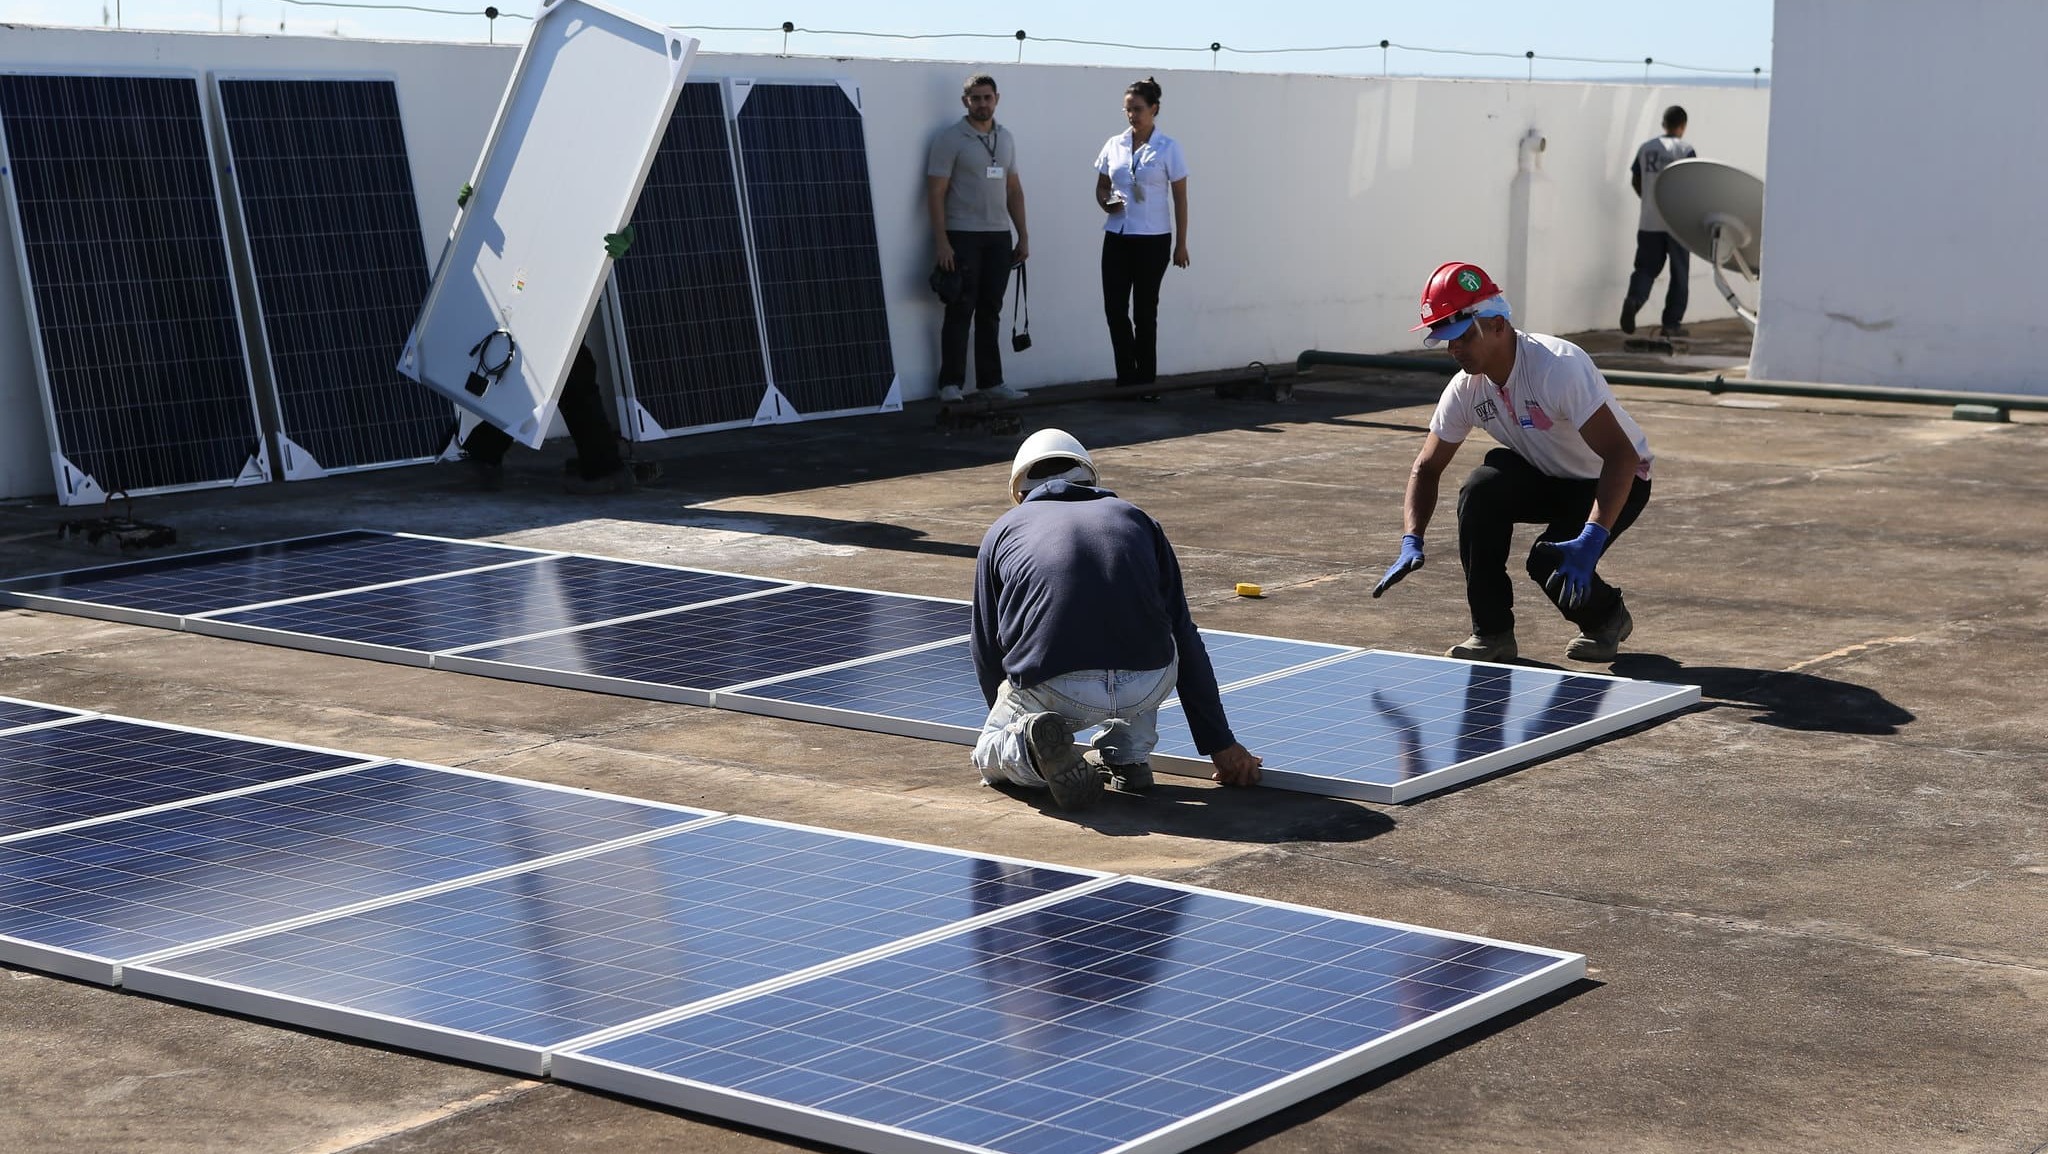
{"x": 1126, "y": 777}
{"x": 1628, "y": 315}
{"x": 619, "y": 480}
{"x": 1674, "y": 331}
{"x": 489, "y": 475}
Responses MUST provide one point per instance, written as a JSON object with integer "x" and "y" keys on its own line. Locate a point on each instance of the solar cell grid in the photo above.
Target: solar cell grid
{"x": 15, "y": 713}
{"x": 104, "y": 765}
{"x": 930, "y": 693}
{"x": 1241, "y": 656}
{"x": 324, "y": 185}
{"x": 127, "y": 277}
{"x": 1137, "y": 1011}
{"x": 540, "y": 957}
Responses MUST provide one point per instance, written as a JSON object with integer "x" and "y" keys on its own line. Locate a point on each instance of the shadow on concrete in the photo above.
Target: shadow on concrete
{"x": 1799, "y": 701}
{"x": 1281, "y": 1121}
{"x": 1214, "y": 813}
{"x": 828, "y": 531}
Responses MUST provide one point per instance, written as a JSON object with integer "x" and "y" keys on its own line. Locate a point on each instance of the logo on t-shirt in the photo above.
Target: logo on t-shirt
{"x": 1486, "y": 411}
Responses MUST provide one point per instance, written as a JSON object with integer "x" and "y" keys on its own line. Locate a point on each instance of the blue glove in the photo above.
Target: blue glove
{"x": 1573, "y": 580}
{"x": 1409, "y": 561}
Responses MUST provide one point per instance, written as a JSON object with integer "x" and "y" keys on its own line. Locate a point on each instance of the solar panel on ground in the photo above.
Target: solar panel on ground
{"x": 1139, "y": 1016}
{"x": 686, "y": 305}
{"x": 324, "y": 186}
{"x": 83, "y": 901}
{"x": 163, "y": 590}
{"x": 931, "y": 693}
{"x": 503, "y": 971}
{"x": 683, "y": 656}
{"x": 804, "y": 163}
{"x": 125, "y": 265}
{"x": 1394, "y": 726}
{"x": 15, "y": 713}
{"x": 411, "y": 621}
{"x": 98, "y": 766}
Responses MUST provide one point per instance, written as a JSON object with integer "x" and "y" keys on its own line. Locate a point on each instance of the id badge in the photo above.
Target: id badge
{"x": 995, "y": 172}
{"x": 1137, "y": 192}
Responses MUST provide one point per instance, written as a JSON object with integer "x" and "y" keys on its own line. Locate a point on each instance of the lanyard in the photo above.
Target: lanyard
{"x": 989, "y": 141}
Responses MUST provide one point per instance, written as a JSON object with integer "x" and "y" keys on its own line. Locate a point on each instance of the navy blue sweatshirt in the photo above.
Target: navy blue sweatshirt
{"x": 1078, "y": 578}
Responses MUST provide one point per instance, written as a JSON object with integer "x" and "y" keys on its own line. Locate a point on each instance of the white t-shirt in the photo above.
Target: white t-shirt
{"x": 1145, "y": 177}
{"x": 1652, "y": 158}
{"x": 1552, "y": 390}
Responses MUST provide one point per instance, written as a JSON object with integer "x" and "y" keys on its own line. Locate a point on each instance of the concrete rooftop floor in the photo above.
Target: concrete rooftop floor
{"x": 1815, "y": 907}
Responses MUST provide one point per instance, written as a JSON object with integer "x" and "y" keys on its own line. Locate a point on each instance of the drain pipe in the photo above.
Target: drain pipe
{"x": 1976, "y": 406}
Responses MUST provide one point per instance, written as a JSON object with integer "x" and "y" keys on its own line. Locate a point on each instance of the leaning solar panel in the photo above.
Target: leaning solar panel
{"x": 804, "y": 163}
{"x": 409, "y": 622}
{"x": 505, "y": 970}
{"x": 1141, "y": 1016}
{"x": 324, "y": 183}
{"x": 164, "y": 590}
{"x": 691, "y": 329}
{"x": 684, "y": 655}
{"x": 1390, "y": 727}
{"x": 137, "y": 340}
{"x": 83, "y": 901}
{"x": 16, "y": 713}
{"x": 97, "y": 766}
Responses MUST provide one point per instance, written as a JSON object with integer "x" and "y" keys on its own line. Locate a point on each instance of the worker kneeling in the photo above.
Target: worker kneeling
{"x": 1080, "y": 620}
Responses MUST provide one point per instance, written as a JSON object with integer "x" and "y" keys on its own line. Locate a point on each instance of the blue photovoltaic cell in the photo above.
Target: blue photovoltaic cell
{"x": 127, "y": 274}
{"x": 686, "y": 299}
{"x": 15, "y": 713}
{"x": 551, "y": 954}
{"x": 1389, "y": 718}
{"x": 803, "y": 150}
{"x": 740, "y": 641}
{"x": 200, "y": 582}
{"x": 325, "y": 188}
{"x": 179, "y": 876}
{"x": 470, "y": 608}
{"x": 102, "y": 766}
{"x": 932, "y": 685}
{"x": 1239, "y": 656}
{"x": 1073, "y": 1029}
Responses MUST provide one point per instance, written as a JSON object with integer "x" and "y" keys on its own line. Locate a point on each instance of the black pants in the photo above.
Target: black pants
{"x": 983, "y": 259}
{"x": 1132, "y": 267}
{"x": 1505, "y": 491}
{"x": 582, "y": 408}
{"x": 1651, "y": 250}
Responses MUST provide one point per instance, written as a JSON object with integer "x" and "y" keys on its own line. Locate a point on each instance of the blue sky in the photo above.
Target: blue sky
{"x": 1732, "y": 35}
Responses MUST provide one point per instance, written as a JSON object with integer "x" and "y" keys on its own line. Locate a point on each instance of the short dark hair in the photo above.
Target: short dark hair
{"x": 1146, "y": 90}
{"x": 1050, "y": 467}
{"x": 976, "y": 81}
{"x": 1674, "y": 117}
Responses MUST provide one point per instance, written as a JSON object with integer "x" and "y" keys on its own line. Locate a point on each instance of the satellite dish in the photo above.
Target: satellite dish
{"x": 1717, "y": 212}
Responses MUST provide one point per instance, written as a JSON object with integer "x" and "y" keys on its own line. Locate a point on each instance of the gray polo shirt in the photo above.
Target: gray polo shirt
{"x": 975, "y": 201}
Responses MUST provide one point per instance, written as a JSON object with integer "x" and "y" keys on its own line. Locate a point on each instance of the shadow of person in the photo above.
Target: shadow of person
{"x": 1799, "y": 701}
{"x": 1218, "y": 813}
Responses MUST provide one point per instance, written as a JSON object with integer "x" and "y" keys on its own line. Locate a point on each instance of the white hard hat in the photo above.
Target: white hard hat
{"x": 1049, "y": 445}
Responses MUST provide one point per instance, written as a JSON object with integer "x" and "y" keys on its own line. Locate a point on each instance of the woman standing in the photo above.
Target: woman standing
{"x": 1137, "y": 173}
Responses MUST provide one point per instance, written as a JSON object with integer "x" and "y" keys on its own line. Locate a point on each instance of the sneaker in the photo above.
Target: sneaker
{"x": 951, "y": 395}
{"x": 1485, "y": 647}
{"x": 619, "y": 480}
{"x": 1050, "y": 742}
{"x": 1604, "y": 643}
{"x": 489, "y": 475}
{"x": 1128, "y": 777}
{"x": 1000, "y": 393}
{"x": 1628, "y": 315}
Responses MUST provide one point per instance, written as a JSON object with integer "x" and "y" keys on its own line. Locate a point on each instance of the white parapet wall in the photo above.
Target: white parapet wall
{"x": 1317, "y": 204}
{"x": 1904, "y": 235}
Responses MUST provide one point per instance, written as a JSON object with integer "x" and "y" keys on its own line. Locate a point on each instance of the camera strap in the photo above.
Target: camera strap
{"x": 1023, "y": 290}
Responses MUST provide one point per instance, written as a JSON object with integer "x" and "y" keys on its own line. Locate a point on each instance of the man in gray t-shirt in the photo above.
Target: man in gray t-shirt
{"x": 1653, "y": 241}
{"x": 975, "y": 198}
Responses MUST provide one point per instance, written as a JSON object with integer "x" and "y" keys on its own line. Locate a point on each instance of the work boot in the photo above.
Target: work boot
{"x": 1049, "y": 741}
{"x": 1127, "y": 777}
{"x": 619, "y": 480}
{"x": 1604, "y": 643}
{"x": 1628, "y": 315}
{"x": 1485, "y": 647}
{"x": 1674, "y": 331}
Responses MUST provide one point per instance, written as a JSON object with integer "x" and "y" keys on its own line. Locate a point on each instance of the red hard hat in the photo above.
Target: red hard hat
{"x": 1452, "y": 289}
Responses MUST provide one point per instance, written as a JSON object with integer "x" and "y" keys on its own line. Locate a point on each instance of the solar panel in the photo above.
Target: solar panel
{"x": 125, "y": 270}
{"x": 15, "y": 713}
{"x": 98, "y": 766}
{"x": 82, "y": 901}
{"x": 1141, "y": 1016}
{"x": 163, "y": 590}
{"x": 685, "y": 297}
{"x": 1243, "y": 656}
{"x": 324, "y": 186}
{"x": 931, "y": 693}
{"x": 411, "y": 621}
{"x": 682, "y": 656}
{"x": 504, "y": 970}
{"x": 1390, "y": 727}
{"x": 804, "y": 162}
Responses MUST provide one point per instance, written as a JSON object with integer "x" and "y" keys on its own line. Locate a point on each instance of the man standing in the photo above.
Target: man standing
{"x": 1653, "y": 241}
{"x": 1080, "y": 620}
{"x": 974, "y": 197}
{"x": 1571, "y": 460}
